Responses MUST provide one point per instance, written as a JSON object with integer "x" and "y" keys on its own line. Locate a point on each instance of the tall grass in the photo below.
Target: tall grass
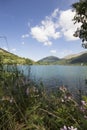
{"x": 27, "y": 106}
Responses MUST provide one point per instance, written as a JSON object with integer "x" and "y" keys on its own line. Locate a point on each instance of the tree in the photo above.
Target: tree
{"x": 81, "y": 17}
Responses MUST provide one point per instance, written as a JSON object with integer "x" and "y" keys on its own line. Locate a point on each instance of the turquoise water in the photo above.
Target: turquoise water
{"x": 52, "y": 76}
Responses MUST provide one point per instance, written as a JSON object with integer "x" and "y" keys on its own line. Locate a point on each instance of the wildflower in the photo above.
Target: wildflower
{"x": 62, "y": 100}
{"x": 69, "y": 96}
{"x": 85, "y": 116}
{"x": 63, "y": 88}
{"x": 11, "y": 100}
{"x": 65, "y": 97}
{"x": 72, "y": 128}
{"x": 82, "y": 109}
{"x": 68, "y": 128}
{"x": 83, "y": 103}
{"x": 64, "y": 128}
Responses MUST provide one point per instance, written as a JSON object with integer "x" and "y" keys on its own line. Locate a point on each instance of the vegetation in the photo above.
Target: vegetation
{"x": 81, "y": 17}
{"x": 9, "y": 58}
{"x": 80, "y": 59}
{"x": 25, "y": 105}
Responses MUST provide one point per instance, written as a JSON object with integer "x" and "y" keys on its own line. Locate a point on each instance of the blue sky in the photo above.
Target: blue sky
{"x": 38, "y": 28}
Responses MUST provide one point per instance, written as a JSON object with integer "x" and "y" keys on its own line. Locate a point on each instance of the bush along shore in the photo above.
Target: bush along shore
{"x": 25, "y": 105}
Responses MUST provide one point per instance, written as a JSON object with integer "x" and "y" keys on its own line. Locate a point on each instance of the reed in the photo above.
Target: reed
{"x": 27, "y": 106}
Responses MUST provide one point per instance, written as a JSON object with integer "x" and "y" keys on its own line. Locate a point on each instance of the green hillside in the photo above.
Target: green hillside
{"x": 48, "y": 60}
{"x": 9, "y": 58}
{"x": 82, "y": 59}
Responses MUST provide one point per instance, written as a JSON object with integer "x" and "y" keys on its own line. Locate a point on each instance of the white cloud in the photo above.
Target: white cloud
{"x": 67, "y": 25}
{"x": 47, "y": 30}
{"x": 48, "y": 43}
{"x": 39, "y": 34}
{"x": 58, "y": 24}
{"x": 55, "y": 13}
{"x": 69, "y": 35}
{"x": 25, "y": 36}
{"x": 53, "y": 51}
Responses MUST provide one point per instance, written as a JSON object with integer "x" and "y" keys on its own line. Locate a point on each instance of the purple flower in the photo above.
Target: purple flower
{"x": 83, "y": 103}
{"x": 68, "y": 128}
{"x": 82, "y": 109}
{"x": 85, "y": 116}
{"x": 72, "y": 128}
{"x": 64, "y": 128}
{"x": 63, "y": 88}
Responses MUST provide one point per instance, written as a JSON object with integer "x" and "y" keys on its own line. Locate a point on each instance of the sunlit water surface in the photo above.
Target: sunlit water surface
{"x": 54, "y": 76}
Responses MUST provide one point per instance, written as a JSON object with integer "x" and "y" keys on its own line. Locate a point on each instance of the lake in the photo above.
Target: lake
{"x": 52, "y": 76}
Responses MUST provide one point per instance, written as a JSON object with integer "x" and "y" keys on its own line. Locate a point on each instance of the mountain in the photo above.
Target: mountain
{"x": 74, "y": 55}
{"x": 75, "y": 59}
{"x": 10, "y": 58}
{"x": 48, "y": 60}
{"x": 71, "y": 56}
{"x": 81, "y": 59}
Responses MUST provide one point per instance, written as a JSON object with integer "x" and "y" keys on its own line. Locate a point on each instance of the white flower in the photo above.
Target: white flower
{"x": 68, "y": 128}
